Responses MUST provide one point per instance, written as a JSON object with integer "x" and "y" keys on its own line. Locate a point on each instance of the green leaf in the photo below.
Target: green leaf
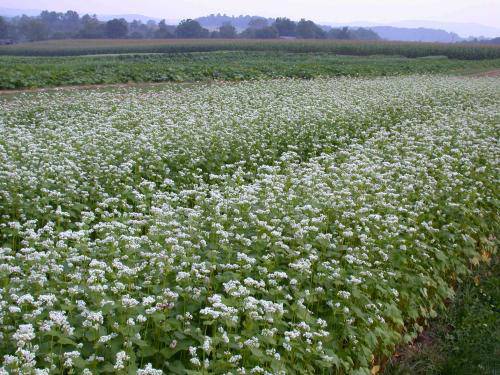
{"x": 66, "y": 341}
{"x": 147, "y": 352}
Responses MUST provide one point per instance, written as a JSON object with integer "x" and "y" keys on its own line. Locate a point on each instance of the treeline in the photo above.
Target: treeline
{"x": 58, "y": 25}
{"x": 485, "y": 41}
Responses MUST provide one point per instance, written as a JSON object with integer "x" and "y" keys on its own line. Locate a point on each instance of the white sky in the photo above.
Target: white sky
{"x": 486, "y": 12}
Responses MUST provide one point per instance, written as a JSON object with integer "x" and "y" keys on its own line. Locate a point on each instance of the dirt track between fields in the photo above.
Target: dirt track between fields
{"x": 491, "y": 73}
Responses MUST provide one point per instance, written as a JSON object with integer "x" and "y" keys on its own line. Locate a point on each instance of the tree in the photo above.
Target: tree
{"x": 163, "y": 31}
{"x": 33, "y": 29}
{"x": 71, "y": 17}
{"x": 191, "y": 29}
{"x": 269, "y": 32}
{"x": 71, "y": 22}
{"x": 342, "y": 33}
{"x": 248, "y": 33}
{"x": 309, "y": 30}
{"x": 4, "y": 28}
{"x": 257, "y": 23}
{"x": 60, "y": 25}
{"x": 285, "y": 26}
{"x": 363, "y": 34}
{"x": 137, "y": 30}
{"x": 116, "y": 28}
{"x": 92, "y": 28}
{"x": 50, "y": 18}
{"x": 227, "y": 31}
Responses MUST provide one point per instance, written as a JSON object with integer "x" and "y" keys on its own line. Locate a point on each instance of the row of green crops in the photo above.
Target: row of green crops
{"x": 270, "y": 227}
{"x": 359, "y": 48}
{"x": 31, "y": 72}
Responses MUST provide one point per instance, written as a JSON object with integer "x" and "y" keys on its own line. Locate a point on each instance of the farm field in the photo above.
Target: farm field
{"x": 261, "y": 227}
{"x": 72, "y": 47}
{"x": 36, "y": 72}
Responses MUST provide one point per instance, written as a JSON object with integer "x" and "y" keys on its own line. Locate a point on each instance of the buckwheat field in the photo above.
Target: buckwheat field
{"x": 274, "y": 227}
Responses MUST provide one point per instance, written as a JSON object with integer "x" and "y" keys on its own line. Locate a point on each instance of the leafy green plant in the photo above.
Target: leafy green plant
{"x": 464, "y": 339}
{"x": 24, "y": 72}
{"x": 360, "y": 48}
{"x": 284, "y": 226}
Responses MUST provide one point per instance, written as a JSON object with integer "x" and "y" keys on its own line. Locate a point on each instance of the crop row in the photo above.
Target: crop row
{"x": 268, "y": 227}
{"x": 31, "y": 72}
{"x": 360, "y": 48}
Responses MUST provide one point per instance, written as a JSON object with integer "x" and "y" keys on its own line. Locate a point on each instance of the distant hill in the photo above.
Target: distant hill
{"x": 416, "y": 34}
{"x": 486, "y": 41}
{"x": 8, "y": 12}
{"x": 131, "y": 17}
{"x": 463, "y": 29}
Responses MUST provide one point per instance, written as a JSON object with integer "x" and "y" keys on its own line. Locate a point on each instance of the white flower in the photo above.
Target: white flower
{"x": 24, "y": 334}
{"x": 121, "y": 358}
{"x": 149, "y": 370}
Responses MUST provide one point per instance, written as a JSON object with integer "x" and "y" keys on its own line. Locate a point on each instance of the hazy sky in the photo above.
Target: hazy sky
{"x": 486, "y": 12}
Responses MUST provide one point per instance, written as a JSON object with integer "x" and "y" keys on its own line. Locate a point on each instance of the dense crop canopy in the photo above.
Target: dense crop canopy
{"x": 266, "y": 228}
{"x": 31, "y": 72}
{"x": 344, "y": 47}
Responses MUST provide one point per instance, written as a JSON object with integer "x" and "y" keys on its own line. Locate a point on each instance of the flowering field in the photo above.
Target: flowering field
{"x": 272, "y": 227}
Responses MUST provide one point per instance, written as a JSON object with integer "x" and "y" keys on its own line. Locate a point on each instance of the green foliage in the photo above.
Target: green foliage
{"x": 355, "y": 34}
{"x": 465, "y": 339}
{"x": 359, "y": 48}
{"x": 116, "y": 28}
{"x": 4, "y": 30}
{"x": 33, "y": 29}
{"x": 91, "y": 27}
{"x": 268, "y": 32}
{"x": 227, "y": 31}
{"x": 285, "y": 26}
{"x": 164, "y": 31}
{"x": 23, "y": 72}
{"x": 289, "y": 226}
{"x": 309, "y": 30}
{"x": 190, "y": 29}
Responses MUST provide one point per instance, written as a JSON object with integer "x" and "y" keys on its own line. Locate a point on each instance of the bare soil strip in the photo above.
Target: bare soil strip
{"x": 491, "y": 73}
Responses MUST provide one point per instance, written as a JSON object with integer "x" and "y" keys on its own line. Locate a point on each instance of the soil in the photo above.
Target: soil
{"x": 491, "y": 73}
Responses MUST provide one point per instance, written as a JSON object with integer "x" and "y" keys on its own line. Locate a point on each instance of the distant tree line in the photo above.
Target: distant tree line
{"x": 57, "y": 25}
{"x": 484, "y": 41}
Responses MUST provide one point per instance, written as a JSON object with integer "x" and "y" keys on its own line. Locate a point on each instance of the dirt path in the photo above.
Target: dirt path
{"x": 491, "y": 73}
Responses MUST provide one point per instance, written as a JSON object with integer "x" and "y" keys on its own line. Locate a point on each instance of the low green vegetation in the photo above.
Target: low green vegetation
{"x": 465, "y": 339}
{"x": 268, "y": 227}
{"x": 32, "y": 72}
{"x": 358, "y": 48}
